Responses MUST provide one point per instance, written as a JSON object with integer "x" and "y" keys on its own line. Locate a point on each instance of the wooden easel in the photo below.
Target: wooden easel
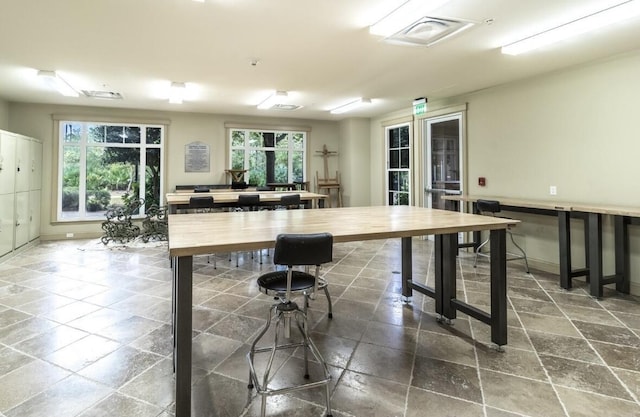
{"x": 326, "y": 185}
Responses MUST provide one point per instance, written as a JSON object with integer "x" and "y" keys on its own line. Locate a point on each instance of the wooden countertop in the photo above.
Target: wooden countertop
{"x": 515, "y": 202}
{"x": 194, "y": 234}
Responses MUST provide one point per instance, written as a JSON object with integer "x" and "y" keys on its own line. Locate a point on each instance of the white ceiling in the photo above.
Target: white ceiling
{"x": 320, "y": 51}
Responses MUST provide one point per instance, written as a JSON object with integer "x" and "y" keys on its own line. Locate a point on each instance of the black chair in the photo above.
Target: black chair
{"x": 201, "y": 189}
{"x": 492, "y": 208}
{"x": 290, "y": 201}
{"x": 247, "y": 202}
{"x": 203, "y": 204}
{"x": 291, "y": 250}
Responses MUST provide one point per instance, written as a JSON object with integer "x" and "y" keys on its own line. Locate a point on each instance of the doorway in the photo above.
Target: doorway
{"x": 443, "y": 160}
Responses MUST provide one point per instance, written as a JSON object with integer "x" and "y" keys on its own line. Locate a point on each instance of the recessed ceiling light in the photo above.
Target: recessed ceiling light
{"x": 176, "y": 95}
{"x": 351, "y": 106}
{"x": 53, "y": 80}
{"x": 585, "y": 24}
{"x": 404, "y": 16}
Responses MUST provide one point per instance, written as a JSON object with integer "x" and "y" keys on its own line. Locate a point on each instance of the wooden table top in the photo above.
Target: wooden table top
{"x": 232, "y": 196}
{"x": 615, "y": 210}
{"x": 204, "y": 233}
{"x": 515, "y": 202}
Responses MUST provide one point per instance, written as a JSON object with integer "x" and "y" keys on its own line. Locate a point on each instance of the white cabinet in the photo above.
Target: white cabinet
{"x": 20, "y": 190}
{"x": 7, "y": 163}
{"x": 7, "y": 202}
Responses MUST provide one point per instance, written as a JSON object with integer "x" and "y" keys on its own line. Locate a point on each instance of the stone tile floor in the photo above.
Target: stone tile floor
{"x": 85, "y": 331}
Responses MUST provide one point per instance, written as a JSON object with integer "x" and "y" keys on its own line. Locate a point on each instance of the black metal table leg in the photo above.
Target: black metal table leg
{"x": 446, "y": 250}
{"x": 406, "y": 267}
{"x": 183, "y": 327}
{"x": 498, "y": 256}
{"x": 595, "y": 254}
{"x": 623, "y": 265}
{"x": 564, "y": 237}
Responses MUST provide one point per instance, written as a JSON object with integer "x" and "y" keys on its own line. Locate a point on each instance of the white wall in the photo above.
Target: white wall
{"x": 35, "y": 120}
{"x": 4, "y": 115}
{"x": 354, "y": 162}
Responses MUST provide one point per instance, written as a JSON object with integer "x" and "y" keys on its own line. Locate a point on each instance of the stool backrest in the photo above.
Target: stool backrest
{"x": 248, "y": 200}
{"x": 303, "y": 249}
{"x": 488, "y": 206}
{"x": 290, "y": 201}
{"x": 201, "y": 202}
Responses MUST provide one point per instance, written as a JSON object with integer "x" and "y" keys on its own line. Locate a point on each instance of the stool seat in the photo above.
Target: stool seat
{"x": 274, "y": 283}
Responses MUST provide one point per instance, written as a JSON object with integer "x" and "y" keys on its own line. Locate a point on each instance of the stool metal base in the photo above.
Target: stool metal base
{"x": 283, "y": 312}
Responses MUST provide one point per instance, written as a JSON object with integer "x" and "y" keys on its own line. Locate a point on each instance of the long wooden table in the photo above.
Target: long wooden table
{"x": 197, "y": 234}
{"x": 591, "y": 215}
{"x": 230, "y": 198}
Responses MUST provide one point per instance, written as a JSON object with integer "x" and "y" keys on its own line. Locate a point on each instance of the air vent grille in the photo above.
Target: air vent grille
{"x": 104, "y": 95}
{"x": 426, "y": 31}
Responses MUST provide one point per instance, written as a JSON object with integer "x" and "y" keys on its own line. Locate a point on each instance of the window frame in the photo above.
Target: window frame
{"x": 84, "y": 144}
{"x": 389, "y": 169}
{"x": 290, "y": 149}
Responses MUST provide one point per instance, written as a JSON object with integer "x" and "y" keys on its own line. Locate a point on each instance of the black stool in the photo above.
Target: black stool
{"x": 291, "y": 250}
{"x": 492, "y": 207}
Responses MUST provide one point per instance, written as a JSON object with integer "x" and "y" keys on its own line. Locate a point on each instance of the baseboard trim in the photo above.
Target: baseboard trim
{"x": 76, "y": 236}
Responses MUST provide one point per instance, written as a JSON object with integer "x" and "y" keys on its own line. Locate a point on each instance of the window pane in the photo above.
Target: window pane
{"x": 393, "y": 181}
{"x": 403, "y": 199}
{"x": 237, "y": 138}
{"x": 404, "y": 158}
{"x": 404, "y": 136}
{"x": 255, "y": 139}
{"x": 97, "y": 197}
{"x": 394, "y": 159}
{"x": 96, "y": 133}
{"x": 131, "y": 134}
{"x": 394, "y": 140}
{"x": 237, "y": 159}
{"x": 403, "y": 178}
{"x": 154, "y": 135}
{"x": 258, "y": 171}
{"x": 282, "y": 140}
{"x": 115, "y": 134}
{"x": 70, "y": 180}
{"x": 282, "y": 167}
{"x": 298, "y": 140}
{"x": 72, "y": 132}
{"x": 152, "y": 178}
{"x": 298, "y": 166}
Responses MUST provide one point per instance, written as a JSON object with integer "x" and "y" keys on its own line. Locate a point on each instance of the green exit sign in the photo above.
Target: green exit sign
{"x": 420, "y": 106}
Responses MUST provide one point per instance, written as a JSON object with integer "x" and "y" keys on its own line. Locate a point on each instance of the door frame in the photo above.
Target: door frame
{"x": 420, "y": 153}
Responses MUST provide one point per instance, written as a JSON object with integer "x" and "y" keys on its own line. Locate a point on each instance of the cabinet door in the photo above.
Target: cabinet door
{"x": 35, "y": 177}
{"x": 22, "y": 218}
{"x": 23, "y": 164}
{"x": 6, "y": 223}
{"x": 7, "y": 163}
{"x": 34, "y": 214}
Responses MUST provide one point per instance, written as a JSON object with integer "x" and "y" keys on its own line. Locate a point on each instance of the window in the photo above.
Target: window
{"x": 268, "y": 156}
{"x": 398, "y": 166}
{"x": 104, "y": 164}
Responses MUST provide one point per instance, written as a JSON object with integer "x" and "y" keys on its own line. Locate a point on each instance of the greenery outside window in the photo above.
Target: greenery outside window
{"x": 268, "y": 156}
{"x": 398, "y": 166}
{"x": 106, "y": 164}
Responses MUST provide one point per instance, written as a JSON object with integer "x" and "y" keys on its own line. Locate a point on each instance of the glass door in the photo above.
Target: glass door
{"x": 443, "y": 144}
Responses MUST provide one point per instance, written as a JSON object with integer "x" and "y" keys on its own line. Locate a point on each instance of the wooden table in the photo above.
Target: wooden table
{"x": 205, "y": 233}
{"x": 592, "y": 218}
{"x": 230, "y": 198}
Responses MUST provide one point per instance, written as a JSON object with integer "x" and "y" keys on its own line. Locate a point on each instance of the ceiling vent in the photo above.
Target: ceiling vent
{"x": 104, "y": 95}
{"x": 285, "y": 107}
{"x": 427, "y": 31}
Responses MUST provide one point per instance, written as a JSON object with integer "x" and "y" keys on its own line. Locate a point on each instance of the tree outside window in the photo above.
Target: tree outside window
{"x": 268, "y": 156}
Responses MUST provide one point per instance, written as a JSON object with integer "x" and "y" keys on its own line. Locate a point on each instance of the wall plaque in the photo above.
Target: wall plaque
{"x": 196, "y": 157}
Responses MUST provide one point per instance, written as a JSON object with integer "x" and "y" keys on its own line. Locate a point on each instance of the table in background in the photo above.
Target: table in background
{"x": 230, "y": 198}
{"x": 206, "y": 233}
{"x": 591, "y": 215}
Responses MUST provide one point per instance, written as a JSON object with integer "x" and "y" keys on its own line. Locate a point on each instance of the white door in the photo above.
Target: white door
{"x": 443, "y": 159}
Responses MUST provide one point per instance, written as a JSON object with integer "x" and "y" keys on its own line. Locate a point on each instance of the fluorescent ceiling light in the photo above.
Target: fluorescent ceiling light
{"x": 591, "y": 22}
{"x": 176, "y": 95}
{"x": 404, "y": 16}
{"x": 54, "y": 81}
{"x": 277, "y": 98}
{"x": 351, "y": 106}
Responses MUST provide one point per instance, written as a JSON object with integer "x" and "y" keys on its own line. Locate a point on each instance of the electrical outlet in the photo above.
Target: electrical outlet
{"x": 553, "y": 190}
{"x": 69, "y": 234}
